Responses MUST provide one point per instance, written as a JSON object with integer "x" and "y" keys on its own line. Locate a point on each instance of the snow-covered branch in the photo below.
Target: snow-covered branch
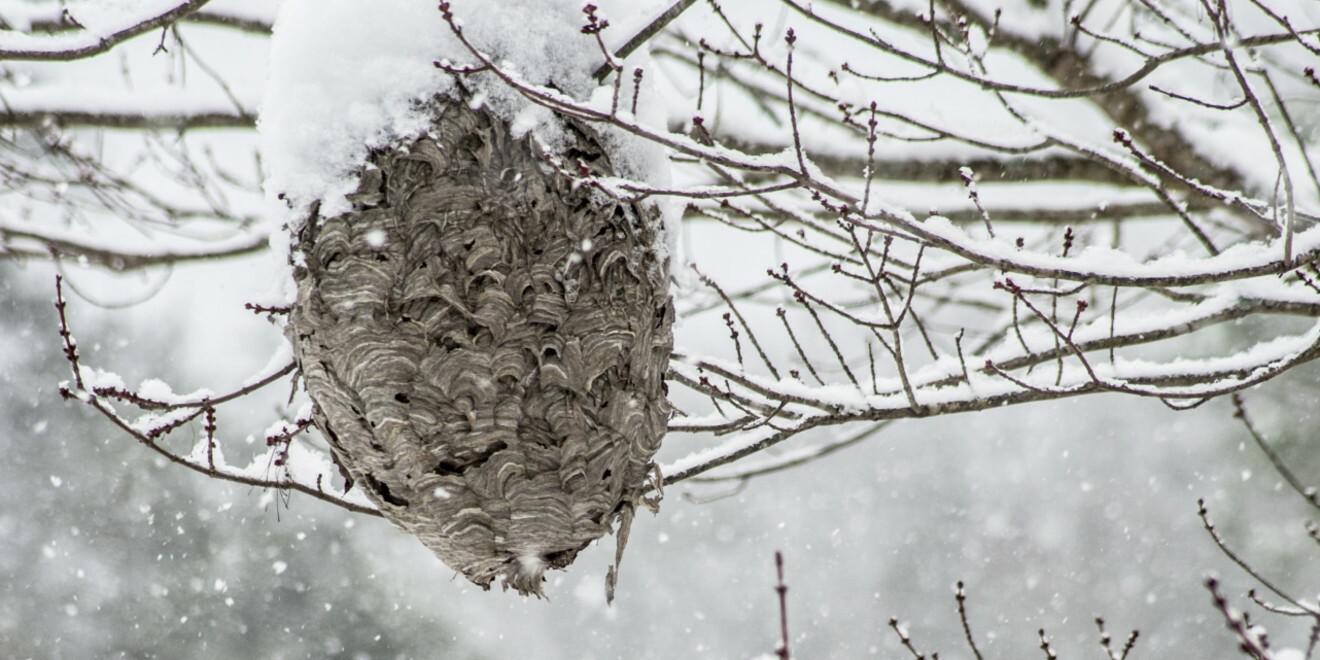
{"x": 967, "y": 210}
{"x": 99, "y": 39}
{"x": 286, "y": 466}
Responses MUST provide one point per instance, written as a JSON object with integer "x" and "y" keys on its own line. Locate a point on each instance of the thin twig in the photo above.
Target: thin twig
{"x": 961, "y": 597}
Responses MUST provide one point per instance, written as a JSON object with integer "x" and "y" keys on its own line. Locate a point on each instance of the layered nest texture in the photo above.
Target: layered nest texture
{"x": 485, "y": 341}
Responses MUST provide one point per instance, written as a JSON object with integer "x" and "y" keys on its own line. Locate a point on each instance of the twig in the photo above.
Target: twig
{"x": 904, "y": 639}
{"x": 58, "y": 50}
{"x": 1106, "y": 642}
{"x": 1204, "y": 514}
{"x": 645, "y": 34}
{"x": 203, "y": 407}
{"x": 781, "y": 590}
{"x": 1045, "y": 646}
{"x": 1249, "y": 642}
{"x": 961, "y": 597}
{"x": 1308, "y": 493}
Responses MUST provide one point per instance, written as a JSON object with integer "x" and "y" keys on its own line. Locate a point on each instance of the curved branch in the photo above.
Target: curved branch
{"x": 121, "y": 260}
{"x": 1212, "y": 378}
{"x": 87, "y": 393}
{"x": 57, "y": 21}
{"x": 82, "y": 45}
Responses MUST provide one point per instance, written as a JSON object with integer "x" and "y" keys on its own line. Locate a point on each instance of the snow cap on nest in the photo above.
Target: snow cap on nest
{"x": 349, "y": 76}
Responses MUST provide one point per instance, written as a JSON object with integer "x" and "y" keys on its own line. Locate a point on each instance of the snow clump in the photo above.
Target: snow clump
{"x": 350, "y": 76}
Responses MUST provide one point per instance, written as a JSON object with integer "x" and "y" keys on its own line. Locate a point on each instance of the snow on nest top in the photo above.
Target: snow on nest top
{"x": 348, "y": 76}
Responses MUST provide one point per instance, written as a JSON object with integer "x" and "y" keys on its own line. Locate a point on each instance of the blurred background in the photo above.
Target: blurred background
{"x": 1052, "y": 513}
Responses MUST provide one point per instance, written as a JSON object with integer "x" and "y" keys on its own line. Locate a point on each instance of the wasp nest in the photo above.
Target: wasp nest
{"x": 486, "y": 344}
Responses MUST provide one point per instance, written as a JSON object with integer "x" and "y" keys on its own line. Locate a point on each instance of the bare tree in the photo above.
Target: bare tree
{"x": 975, "y": 206}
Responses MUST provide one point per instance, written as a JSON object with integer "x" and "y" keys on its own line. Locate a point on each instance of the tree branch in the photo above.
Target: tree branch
{"x": 86, "y": 44}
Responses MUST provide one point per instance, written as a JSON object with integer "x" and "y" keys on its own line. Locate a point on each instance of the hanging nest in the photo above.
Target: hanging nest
{"x": 486, "y": 345}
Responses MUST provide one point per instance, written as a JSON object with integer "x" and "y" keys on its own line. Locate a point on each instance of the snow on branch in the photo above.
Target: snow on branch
{"x": 287, "y": 466}
{"x": 52, "y": 18}
{"x": 967, "y": 210}
{"x": 1102, "y": 267}
{"x": 880, "y": 246}
{"x": 106, "y": 35}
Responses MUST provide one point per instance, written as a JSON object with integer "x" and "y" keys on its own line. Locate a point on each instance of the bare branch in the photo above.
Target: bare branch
{"x": 87, "y": 44}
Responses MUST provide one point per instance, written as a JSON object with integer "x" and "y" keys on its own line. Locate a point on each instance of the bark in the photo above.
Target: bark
{"x": 486, "y": 345}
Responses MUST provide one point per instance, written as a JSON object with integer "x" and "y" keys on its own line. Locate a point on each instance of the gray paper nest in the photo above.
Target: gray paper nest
{"x": 486, "y": 345}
